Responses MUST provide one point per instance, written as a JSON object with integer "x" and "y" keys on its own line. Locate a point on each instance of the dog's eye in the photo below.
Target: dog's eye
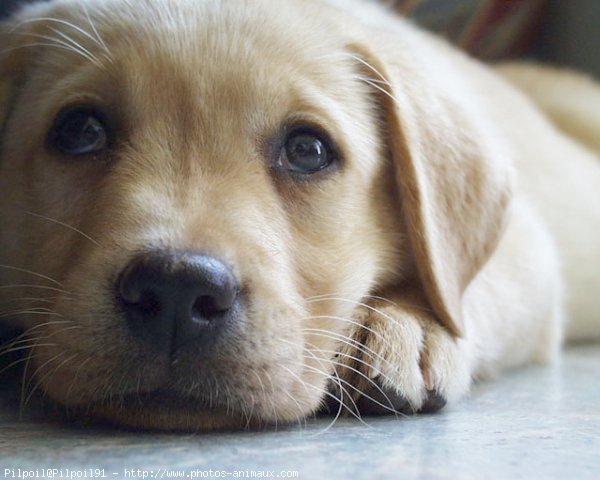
{"x": 79, "y": 131}
{"x": 305, "y": 151}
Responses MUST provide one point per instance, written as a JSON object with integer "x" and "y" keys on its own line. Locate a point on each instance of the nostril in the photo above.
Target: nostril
{"x": 148, "y": 304}
{"x": 130, "y": 284}
{"x": 138, "y": 295}
{"x": 205, "y": 307}
{"x": 184, "y": 296}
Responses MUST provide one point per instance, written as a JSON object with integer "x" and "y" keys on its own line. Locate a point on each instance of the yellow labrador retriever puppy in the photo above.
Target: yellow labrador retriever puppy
{"x": 218, "y": 214}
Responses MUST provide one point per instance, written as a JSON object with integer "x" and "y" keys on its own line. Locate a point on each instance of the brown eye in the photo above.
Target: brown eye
{"x": 79, "y": 131}
{"x": 305, "y": 151}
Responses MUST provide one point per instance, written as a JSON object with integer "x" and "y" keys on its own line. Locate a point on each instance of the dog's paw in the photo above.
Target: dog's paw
{"x": 399, "y": 359}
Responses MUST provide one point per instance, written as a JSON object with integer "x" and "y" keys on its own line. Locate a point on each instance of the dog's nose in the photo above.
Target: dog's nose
{"x": 178, "y": 297}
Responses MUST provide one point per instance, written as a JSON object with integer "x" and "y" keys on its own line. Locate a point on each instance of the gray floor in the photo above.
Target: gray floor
{"x": 533, "y": 423}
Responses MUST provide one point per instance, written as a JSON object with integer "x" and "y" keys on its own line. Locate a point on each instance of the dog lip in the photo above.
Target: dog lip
{"x": 166, "y": 399}
{"x": 162, "y": 410}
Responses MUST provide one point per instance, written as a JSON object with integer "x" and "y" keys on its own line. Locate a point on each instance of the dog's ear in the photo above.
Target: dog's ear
{"x": 453, "y": 182}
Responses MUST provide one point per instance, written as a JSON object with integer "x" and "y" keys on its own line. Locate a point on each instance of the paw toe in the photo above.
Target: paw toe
{"x": 433, "y": 403}
{"x": 383, "y": 401}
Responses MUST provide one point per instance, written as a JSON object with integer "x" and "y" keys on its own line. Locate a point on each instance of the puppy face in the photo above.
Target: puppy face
{"x": 201, "y": 198}
{"x": 171, "y": 138}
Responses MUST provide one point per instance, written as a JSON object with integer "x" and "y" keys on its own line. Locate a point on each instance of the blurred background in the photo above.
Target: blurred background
{"x": 562, "y": 32}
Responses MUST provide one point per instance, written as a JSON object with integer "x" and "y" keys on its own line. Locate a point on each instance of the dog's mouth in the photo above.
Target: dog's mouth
{"x": 221, "y": 407}
{"x": 163, "y": 399}
{"x": 169, "y": 402}
{"x": 164, "y": 410}
{"x": 209, "y": 354}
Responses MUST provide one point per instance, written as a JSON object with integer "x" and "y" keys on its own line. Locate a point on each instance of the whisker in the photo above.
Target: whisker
{"x": 273, "y": 406}
{"x": 335, "y": 296}
{"x": 369, "y": 66}
{"x": 41, "y": 287}
{"x": 39, "y": 44}
{"x": 329, "y": 394}
{"x": 29, "y": 299}
{"x": 21, "y": 348}
{"x": 61, "y": 22}
{"x": 351, "y": 322}
{"x": 333, "y": 378}
{"x": 70, "y": 45}
{"x": 89, "y": 19}
{"x": 338, "y": 414}
{"x": 360, "y": 304}
{"x": 362, "y": 78}
{"x": 414, "y": 306}
{"x": 16, "y": 346}
{"x": 339, "y": 379}
{"x": 382, "y": 90}
{"x": 52, "y": 372}
{"x": 39, "y": 311}
{"x": 24, "y": 377}
{"x": 388, "y": 407}
{"x": 300, "y": 418}
{"x": 66, "y": 225}
{"x": 38, "y": 369}
{"x": 74, "y": 380}
{"x": 23, "y": 343}
{"x": 31, "y": 272}
{"x": 260, "y": 382}
{"x": 361, "y": 374}
{"x": 15, "y": 363}
{"x": 348, "y": 341}
{"x": 76, "y": 46}
{"x": 334, "y": 353}
{"x": 26, "y": 336}
{"x": 342, "y": 404}
{"x": 29, "y": 331}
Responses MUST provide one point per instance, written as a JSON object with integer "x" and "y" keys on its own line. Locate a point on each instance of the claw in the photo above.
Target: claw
{"x": 375, "y": 369}
{"x": 388, "y": 401}
{"x": 428, "y": 379}
{"x": 383, "y": 402}
{"x": 433, "y": 403}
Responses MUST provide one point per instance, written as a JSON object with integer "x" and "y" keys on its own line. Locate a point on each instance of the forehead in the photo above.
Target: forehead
{"x": 229, "y": 59}
{"x": 199, "y": 60}
{"x": 220, "y": 48}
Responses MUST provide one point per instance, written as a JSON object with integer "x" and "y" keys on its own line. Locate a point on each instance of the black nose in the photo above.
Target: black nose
{"x": 177, "y": 297}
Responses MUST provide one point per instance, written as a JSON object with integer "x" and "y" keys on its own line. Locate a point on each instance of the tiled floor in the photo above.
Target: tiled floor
{"x": 534, "y": 423}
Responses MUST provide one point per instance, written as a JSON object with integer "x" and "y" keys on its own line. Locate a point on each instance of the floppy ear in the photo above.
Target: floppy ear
{"x": 454, "y": 184}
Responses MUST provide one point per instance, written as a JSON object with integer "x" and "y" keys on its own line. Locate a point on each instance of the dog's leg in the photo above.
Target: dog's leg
{"x": 402, "y": 358}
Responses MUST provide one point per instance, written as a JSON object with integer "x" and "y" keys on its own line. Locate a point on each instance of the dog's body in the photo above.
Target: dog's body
{"x": 378, "y": 218}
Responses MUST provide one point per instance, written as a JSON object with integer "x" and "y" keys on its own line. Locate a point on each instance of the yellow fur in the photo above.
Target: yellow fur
{"x": 430, "y": 206}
